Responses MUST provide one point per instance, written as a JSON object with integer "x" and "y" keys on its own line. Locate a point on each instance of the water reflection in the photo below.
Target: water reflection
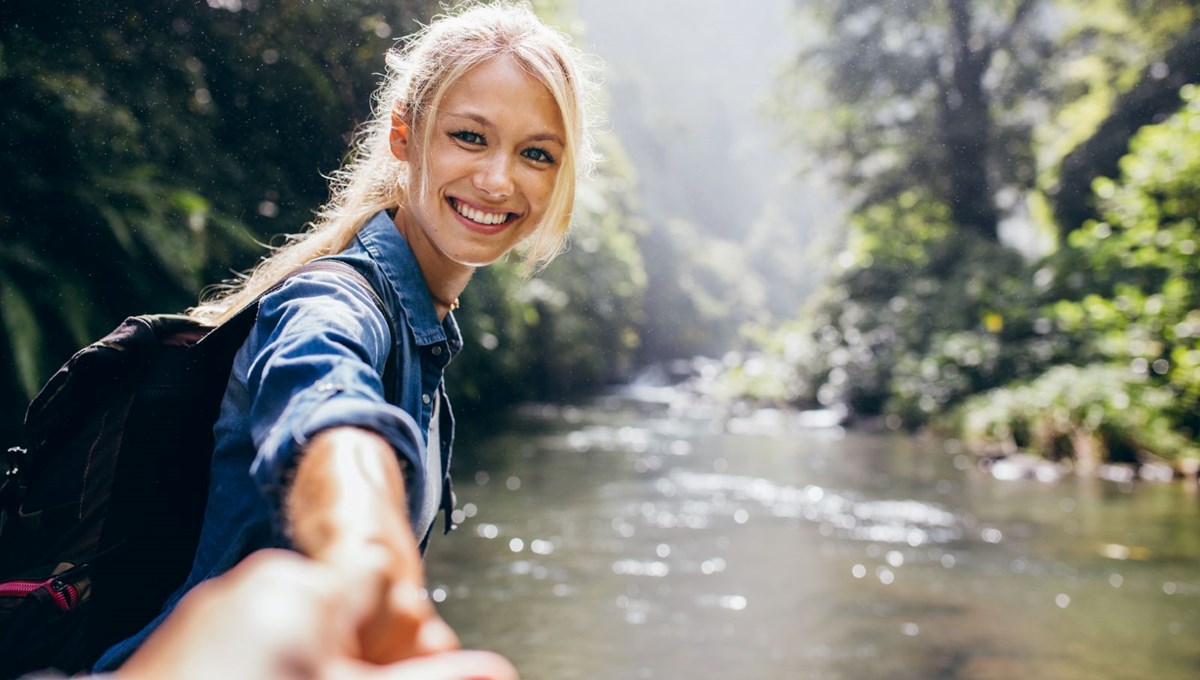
{"x": 884, "y": 521}
{"x": 626, "y": 540}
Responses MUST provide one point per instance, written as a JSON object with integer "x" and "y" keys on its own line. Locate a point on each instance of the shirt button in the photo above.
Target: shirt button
{"x": 425, "y": 398}
{"x": 437, "y": 350}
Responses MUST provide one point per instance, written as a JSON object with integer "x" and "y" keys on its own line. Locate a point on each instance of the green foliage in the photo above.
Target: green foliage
{"x": 20, "y": 325}
{"x": 918, "y": 318}
{"x": 1105, "y": 47}
{"x": 148, "y": 146}
{"x": 1095, "y": 413}
{"x": 1137, "y": 271}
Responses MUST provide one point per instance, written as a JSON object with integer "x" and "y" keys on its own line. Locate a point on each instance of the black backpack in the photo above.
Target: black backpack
{"x": 100, "y": 516}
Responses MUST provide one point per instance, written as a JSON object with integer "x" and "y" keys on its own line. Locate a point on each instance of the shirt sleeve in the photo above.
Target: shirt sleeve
{"x": 319, "y": 346}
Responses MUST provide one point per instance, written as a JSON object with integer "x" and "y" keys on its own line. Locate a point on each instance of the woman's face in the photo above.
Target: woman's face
{"x": 494, "y": 156}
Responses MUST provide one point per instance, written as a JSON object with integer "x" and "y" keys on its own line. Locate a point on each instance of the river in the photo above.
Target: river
{"x": 656, "y": 536}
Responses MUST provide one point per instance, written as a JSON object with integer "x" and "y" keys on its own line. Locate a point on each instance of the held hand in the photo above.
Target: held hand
{"x": 399, "y": 621}
{"x": 268, "y": 617}
{"x": 279, "y": 616}
{"x": 347, "y": 510}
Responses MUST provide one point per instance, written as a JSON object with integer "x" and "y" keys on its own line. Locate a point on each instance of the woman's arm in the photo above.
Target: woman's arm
{"x": 346, "y": 507}
{"x": 329, "y": 452}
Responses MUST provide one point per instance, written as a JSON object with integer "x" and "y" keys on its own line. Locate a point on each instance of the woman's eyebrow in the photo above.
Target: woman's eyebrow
{"x": 483, "y": 121}
{"x": 472, "y": 116}
{"x": 546, "y": 137}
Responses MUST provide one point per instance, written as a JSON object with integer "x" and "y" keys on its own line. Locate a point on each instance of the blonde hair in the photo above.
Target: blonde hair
{"x": 420, "y": 71}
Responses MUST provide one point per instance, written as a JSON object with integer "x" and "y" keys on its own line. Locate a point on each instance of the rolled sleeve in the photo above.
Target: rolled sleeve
{"x": 320, "y": 346}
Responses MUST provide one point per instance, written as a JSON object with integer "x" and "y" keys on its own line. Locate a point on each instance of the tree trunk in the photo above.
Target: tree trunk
{"x": 966, "y": 121}
{"x": 967, "y": 129}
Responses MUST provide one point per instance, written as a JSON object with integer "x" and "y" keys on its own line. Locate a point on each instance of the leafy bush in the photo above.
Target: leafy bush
{"x": 1095, "y": 413}
{"x": 920, "y": 317}
{"x": 1134, "y": 278}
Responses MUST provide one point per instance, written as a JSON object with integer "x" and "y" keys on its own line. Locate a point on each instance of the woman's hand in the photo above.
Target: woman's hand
{"x": 347, "y": 509}
{"x": 279, "y": 616}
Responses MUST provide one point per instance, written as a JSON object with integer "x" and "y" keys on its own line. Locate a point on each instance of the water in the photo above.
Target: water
{"x": 626, "y": 539}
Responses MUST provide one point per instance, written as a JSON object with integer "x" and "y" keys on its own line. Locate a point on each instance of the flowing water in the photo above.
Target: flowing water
{"x": 662, "y": 538}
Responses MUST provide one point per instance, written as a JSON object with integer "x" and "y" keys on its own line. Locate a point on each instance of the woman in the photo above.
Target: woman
{"x": 473, "y": 150}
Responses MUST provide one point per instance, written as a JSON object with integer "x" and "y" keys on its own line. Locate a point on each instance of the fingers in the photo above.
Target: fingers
{"x": 461, "y": 665}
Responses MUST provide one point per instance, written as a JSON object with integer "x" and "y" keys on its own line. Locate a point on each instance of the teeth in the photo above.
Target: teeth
{"x": 479, "y": 215}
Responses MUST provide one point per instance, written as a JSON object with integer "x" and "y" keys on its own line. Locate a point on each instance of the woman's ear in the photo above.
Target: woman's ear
{"x": 399, "y": 136}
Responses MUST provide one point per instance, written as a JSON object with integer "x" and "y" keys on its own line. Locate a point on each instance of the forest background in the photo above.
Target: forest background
{"x": 1011, "y": 257}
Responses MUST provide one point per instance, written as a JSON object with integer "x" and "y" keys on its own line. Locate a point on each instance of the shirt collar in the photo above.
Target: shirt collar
{"x": 392, "y": 254}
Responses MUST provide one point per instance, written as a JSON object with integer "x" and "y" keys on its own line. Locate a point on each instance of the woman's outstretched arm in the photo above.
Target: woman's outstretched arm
{"x": 346, "y": 507}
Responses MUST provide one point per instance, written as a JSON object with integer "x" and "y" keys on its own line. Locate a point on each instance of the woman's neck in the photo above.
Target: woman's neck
{"x": 445, "y": 278}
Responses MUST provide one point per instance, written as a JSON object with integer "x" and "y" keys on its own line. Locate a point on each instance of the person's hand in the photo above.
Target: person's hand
{"x": 278, "y": 615}
{"x": 399, "y": 621}
{"x": 346, "y": 508}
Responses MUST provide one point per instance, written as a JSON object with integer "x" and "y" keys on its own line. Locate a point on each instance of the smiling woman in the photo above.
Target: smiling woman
{"x": 335, "y": 433}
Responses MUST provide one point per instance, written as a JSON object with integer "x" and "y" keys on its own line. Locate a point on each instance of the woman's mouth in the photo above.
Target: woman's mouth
{"x": 484, "y": 218}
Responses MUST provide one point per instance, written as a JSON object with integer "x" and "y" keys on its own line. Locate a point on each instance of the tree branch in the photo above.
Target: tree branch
{"x": 1004, "y": 40}
{"x": 1151, "y": 99}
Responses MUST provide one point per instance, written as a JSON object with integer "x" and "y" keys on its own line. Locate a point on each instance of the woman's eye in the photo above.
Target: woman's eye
{"x": 469, "y": 137}
{"x": 538, "y": 155}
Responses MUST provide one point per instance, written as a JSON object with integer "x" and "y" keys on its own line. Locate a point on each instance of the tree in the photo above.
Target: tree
{"x": 925, "y": 94}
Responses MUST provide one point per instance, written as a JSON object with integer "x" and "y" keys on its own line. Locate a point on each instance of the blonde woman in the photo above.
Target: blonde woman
{"x": 477, "y": 138}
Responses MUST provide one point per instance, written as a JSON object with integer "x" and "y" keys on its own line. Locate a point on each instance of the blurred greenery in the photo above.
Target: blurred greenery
{"x": 148, "y": 147}
{"x": 1087, "y": 345}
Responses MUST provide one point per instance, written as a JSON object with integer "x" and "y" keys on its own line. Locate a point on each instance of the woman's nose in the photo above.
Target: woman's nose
{"x": 494, "y": 178}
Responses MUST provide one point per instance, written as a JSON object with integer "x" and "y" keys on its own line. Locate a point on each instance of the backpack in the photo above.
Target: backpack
{"x": 100, "y": 517}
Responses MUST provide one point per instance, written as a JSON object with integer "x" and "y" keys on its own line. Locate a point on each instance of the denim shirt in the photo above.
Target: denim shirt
{"x": 315, "y": 359}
